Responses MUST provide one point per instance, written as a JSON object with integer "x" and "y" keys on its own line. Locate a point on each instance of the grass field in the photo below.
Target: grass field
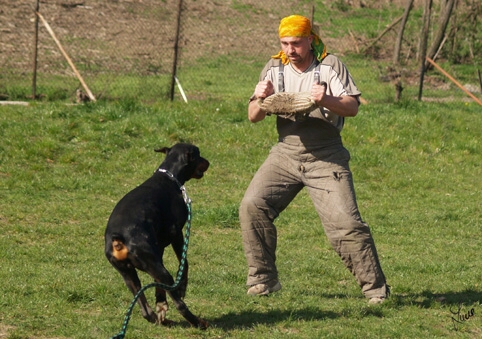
{"x": 63, "y": 168}
{"x": 416, "y": 165}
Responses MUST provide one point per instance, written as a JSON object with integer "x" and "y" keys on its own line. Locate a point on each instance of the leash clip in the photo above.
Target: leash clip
{"x": 186, "y": 198}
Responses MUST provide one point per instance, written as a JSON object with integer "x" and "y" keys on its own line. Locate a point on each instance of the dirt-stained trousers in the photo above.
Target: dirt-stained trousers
{"x": 325, "y": 172}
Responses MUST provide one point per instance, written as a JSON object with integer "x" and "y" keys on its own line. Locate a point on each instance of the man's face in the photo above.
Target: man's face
{"x": 297, "y": 49}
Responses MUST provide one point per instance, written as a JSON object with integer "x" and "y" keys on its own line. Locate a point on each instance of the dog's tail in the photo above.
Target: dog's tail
{"x": 119, "y": 248}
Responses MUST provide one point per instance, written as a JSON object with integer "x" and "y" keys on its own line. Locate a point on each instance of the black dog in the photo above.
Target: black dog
{"x": 150, "y": 218}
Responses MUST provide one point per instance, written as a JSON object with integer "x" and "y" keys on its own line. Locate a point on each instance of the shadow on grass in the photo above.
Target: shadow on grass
{"x": 232, "y": 320}
{"x": 248, "y": 319}
{"x": 426, "y": 299}
{"x": 243, "y": 320}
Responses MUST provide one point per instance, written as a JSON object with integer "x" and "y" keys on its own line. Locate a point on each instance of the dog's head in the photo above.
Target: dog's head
{"x": 184, "y": 161}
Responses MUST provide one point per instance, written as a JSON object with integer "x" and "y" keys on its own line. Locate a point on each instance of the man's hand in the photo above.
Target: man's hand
{"x": 264, "y": 89}
{"x": 344, "y": 106}
{"x": 318, "y": 92}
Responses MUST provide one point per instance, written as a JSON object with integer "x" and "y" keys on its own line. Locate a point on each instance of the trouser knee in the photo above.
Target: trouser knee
{"x": 253, "y": 210}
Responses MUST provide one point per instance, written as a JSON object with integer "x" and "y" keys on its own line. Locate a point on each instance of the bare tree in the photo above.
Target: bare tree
{"x": 427, "y": 13}
{"x": 444, "y": 19}
{"x": 423, "y": 42}
{"x": 398, "y": 44}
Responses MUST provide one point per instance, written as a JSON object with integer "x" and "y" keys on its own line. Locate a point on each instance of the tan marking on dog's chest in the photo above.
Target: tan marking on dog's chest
{"x": 119, "y": 250}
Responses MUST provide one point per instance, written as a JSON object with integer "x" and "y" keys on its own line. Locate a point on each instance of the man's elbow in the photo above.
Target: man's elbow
{"x": 353, "y": 112}
{"x": 255, "y": 113}
{"x": 255, "y": 118}
{"x": 352, "y": 109}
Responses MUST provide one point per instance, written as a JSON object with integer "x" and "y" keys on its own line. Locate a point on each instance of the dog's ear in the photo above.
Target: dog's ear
{"x": 164, "y": 150}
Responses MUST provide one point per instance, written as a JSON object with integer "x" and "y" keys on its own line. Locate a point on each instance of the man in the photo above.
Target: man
{"x": 310, "y": 154}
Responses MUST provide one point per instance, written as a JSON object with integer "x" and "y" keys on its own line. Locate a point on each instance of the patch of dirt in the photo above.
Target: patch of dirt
{"x": 4, "y": 331}
{"x": 138, "y": 36}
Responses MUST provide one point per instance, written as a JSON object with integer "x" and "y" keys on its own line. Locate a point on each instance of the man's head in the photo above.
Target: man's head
{"x": 297, "y": 39}
{"x": 297, "y": 49}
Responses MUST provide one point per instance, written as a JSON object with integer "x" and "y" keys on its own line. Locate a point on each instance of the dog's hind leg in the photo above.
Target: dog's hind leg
{"x": 134, "y": 285}
{"x": 161, "y": 275}
{"x": 185, "y": 312}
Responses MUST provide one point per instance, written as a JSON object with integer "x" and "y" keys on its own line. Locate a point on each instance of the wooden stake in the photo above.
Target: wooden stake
{"x": 480, "y": 80}
{"x": 35, "y": 51}
{"x": 21, "y": 103}
{"x": 176, "y": 49}
{"x": 47, "y": 26}
{"x": 454, "y": 81}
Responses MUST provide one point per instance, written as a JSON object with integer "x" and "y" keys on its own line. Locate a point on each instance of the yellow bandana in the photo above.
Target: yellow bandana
{"x": 299, "y": 26}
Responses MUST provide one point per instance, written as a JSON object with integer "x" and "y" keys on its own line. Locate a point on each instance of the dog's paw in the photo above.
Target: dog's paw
{"x": 166, "y": 322}
{"x": 202, "y": 324}
{"x": 151, "y": 317}
{"x": 161, "y": 311}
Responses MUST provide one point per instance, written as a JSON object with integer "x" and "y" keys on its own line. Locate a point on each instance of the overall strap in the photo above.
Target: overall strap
{"x": 281, "y": 78}
{"x": 317, "y": 73}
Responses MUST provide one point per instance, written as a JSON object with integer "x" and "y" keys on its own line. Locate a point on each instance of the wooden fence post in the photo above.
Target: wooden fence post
{"x": 35, "y": 51}
{"x": 176, "y": 51}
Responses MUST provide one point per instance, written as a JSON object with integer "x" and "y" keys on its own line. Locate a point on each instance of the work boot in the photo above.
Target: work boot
{"x": 264, "y": 289}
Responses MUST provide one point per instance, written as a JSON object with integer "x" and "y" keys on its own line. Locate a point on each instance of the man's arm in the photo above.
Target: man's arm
{"x": 255, "y": 113}
{"x": 344, "y": 106}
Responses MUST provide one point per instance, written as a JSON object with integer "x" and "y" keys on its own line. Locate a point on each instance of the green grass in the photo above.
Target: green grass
{"x": 417, "y": 175}
{"x": 62, "y": 169}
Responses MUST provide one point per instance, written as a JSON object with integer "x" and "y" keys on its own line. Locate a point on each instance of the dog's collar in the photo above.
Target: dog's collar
{"x": 186, "y": 198}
